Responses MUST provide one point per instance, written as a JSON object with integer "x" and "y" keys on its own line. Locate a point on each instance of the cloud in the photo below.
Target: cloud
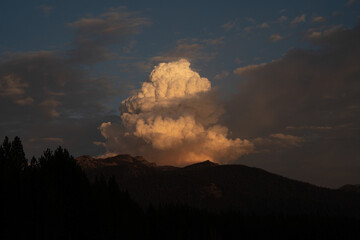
{"x": 299, "y": 19}
{"x": 173, "y": 119}
{"x": 221, "y": 75}
{"x": 49, "y": 97}
{"x": 25, "y": 101}
{"x": 228, "y": 26}
{"x": 310, "y": 81}
{"x": 50, "y": 85}
{"x": 318, "y": 19}
{"x": 314, "y": 34}
{"x": 10, "y": 85}
{"x": 249, "y": 19}
{"x": 305, "y": 89}
{"x": 95, "y": 35}
{"x": 311, "y": 128}
{"x": 244, "y": 70}
{"x": 248, "y": 29}
{"x": 263, "y": 25}
{"x": 289, "y": 139}
{"x": 277, "y": 142}
{"x": 54, "y": 94}
{"x": 350, "y": 2}
{"x": 194, "y": 50}
{"x": 282, "y": 19}
{"x": 275, "y": 37}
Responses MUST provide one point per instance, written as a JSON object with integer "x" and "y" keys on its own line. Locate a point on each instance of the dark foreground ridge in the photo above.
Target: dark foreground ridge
{"x": 52, "y": 197}
{"x": 215, "y": 187}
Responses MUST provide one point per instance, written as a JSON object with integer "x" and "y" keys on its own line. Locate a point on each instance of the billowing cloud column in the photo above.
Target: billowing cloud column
{"x": 172, "y": 120}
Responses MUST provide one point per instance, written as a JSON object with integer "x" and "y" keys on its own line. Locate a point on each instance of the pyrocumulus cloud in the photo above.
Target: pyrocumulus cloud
{"x": 173, "y": 119}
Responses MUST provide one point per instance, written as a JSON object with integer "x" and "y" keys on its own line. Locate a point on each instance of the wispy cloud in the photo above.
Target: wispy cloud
{"x": 275, "y": 37}
{"x": 56, "y": 93}
{"x": 317, "y": 33}
{"x": 194, "y": 50}
{"x": 228, "y": 26}
{"x": 263, "y": 25}
{"x": 221, "y": 75}
{"x": 94, "y": 35}
{"x": 277, "y": 142}
{"x": 318, "y": 19}
{"x": 250, "y": 19}
{"x": 350, "y": 2}
{"x": 299, "y": 19}
{"x": 282, "y": 18}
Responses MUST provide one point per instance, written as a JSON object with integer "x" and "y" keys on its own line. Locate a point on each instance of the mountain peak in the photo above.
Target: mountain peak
{"x": 200, "y": 165}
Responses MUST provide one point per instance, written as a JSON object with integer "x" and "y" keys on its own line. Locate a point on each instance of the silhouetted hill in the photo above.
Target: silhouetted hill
{"x": 201, "y": 165}
{"x": 351, "y": 188}
{"x": 221, "y": 187}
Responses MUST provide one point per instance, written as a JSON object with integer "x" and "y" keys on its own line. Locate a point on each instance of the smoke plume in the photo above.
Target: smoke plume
{"x": 173, "y": 119}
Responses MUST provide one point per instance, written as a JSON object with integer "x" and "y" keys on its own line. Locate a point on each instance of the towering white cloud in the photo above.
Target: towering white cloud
{"x": 172, "y": 120}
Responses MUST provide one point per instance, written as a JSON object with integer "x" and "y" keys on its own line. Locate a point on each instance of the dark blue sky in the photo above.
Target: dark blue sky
{"x": 43, "y": 25}
{"x": 65, "y": 67}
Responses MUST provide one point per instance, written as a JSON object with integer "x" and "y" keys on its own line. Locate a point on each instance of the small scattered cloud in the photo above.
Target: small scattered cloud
{"x": 263, "y": 25}
{"x": 25, "y": 101}
{"x": 350, "y": 2}
{"x": 249, "y": 19}
{"x": 221, "y": 75}
{"x": 49, "y": 106}
{"x": 275, "y": 37}
{"x": 312, "y": 128}
{"x": 282, "y": 10}
{"x": 277, "y": 142}
{"x": 228, "y": 26}
{"x": 317, "y": 33}
{"x": 289, "y": 139}
{"x": 282, "y": 19}
{"x": 12, "y": 86}
{"x": 314, "y": 35}
{"x": 318, "y": 19}
{"x": 248, "y": 29}
{"x": 299, "y": 19}
{"x": 243, "y": 70}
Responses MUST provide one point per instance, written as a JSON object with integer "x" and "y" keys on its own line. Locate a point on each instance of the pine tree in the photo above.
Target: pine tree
{"x": 6, "y": 146}
{"x": 17, "y": 155}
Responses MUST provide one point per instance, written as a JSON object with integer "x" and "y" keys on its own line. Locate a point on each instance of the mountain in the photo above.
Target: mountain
{"x": 217, "y": 187}
{"x": 351, "y": 188}
{"x": 202, "y": 165}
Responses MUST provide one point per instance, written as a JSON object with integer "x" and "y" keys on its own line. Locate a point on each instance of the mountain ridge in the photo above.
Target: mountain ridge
{"x": 218, "y": 187}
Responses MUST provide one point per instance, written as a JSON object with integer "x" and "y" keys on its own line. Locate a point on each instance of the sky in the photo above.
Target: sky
{"x": 268, "y": 84}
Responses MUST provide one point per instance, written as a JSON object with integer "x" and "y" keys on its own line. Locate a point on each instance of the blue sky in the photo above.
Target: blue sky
{"x": 65, "y": 67}
{"x": 43, "y": 25}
